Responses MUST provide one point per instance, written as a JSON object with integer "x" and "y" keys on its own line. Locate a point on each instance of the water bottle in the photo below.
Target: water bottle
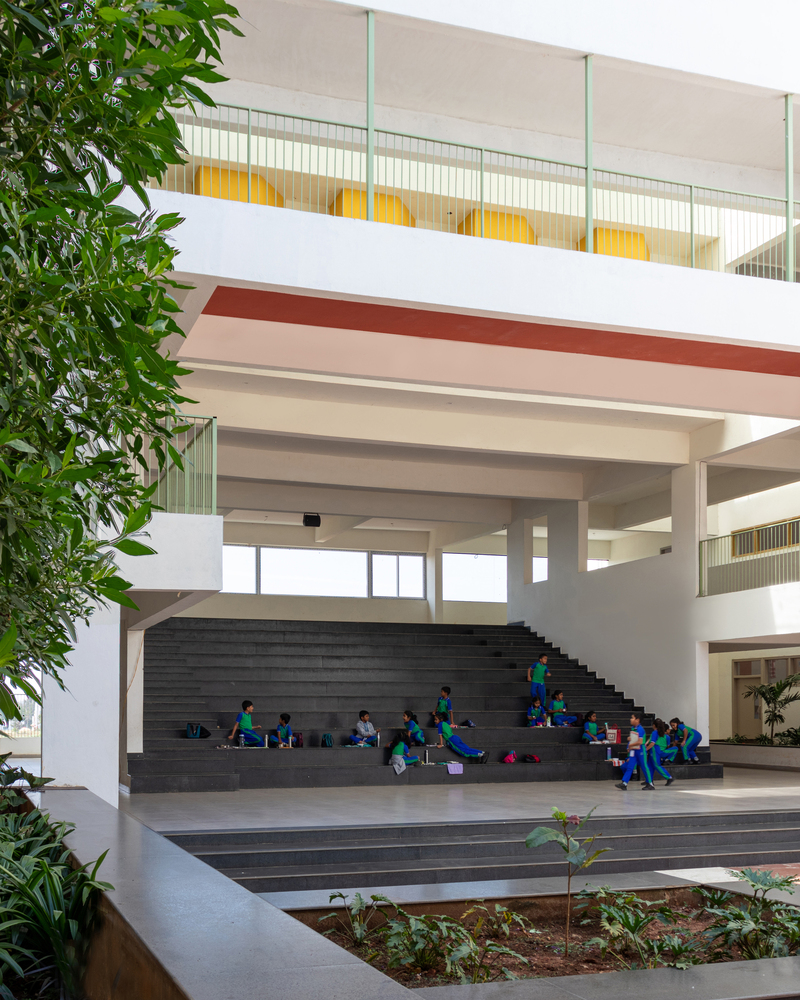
{"x": 608, "y": 753}
{"x": 426, "y": 756}
{"x": 378, "y": 740}
{"x": 241, "y": 739}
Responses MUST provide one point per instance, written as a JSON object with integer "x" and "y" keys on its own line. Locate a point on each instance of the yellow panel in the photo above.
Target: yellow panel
{"x": 352, "y": 204}
{"x": 618, "y": 243}
{"x": 231, "y": 185}
{"x": 498, "y": 226}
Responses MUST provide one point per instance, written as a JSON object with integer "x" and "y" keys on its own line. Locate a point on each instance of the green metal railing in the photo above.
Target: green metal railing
{"x": 186, "y": 478}
{"x": 242, "y": 154}
{"x": 755, "y": 557}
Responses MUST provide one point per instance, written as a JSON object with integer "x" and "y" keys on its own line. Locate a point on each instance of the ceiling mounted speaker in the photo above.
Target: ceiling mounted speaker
{"x": 311, "y": 520}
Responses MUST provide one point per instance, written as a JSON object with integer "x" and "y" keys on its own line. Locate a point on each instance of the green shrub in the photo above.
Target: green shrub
{"x": 425, "y": 942}
{"x": 788, "y": 738}
{"x": 480, "y": 963}
{"x": 359, "y": 925}
{"x": 757, "y": 926}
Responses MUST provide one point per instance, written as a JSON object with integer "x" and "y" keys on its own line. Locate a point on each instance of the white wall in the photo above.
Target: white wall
{"x": 345, "y": 609}
{"x": 342, "y": 257}
{"x": 640, "y": 625}
{"x": 86, "y": 728}
{"x": 80, "y": 726}
{"x": 760, "y": 508}
{"x": 710, "y": 39}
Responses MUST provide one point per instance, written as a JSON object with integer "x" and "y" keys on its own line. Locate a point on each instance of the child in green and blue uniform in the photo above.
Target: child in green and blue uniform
{"x": 456, "y": 744}
{"x": 536, "y": 714}
{"x": 658, "y": 749}
{"x": 415, "y": 734}
{"x": 283, "y": 733}
{"x": 636, "y": 755}
{"x": 444, "y": 705}
{"x": 592, "y": 733}
{"x": 557, "y": 708}
{"x": 400, "y": 749}
{"x": 244, "y": 724}
{"x": 536, "y": 675}
{"x": 687, "y": 739}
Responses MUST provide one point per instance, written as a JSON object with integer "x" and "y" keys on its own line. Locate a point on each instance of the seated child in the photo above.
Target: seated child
{"x": 445, "y": 706}
{"x": 687, "y": 739}
{"x": 415, "y": 734}
{"x": 366, "y": 735}
{"x": 400, "y": 749}
{"x": 283, "y": 733}
{"x": 592, "y": 733}
{"x": 557, "y": 708}
{"x": 536, "y": 714}
{"x": 244, "y": 724}
{"x": 456, "y": 744}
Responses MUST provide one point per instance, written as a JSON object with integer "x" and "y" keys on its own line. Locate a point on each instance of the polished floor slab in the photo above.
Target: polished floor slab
{"x": 741, "y": 789}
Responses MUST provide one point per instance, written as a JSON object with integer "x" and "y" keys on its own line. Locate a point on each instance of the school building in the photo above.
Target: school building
{"x": 493, "y": 341}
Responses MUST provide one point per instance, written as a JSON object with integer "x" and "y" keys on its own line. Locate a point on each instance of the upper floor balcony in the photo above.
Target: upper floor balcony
{"x": 355, "y": 172}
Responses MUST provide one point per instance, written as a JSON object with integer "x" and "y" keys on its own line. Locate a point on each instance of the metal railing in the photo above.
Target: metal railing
{"x": 183, "y": 467}
{"x": 286, "y": 161}
{"x": 763, "y": 556}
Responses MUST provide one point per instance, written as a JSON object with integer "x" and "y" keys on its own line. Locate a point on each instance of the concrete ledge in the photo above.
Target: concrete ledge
{"x": 186, "y": 931}
{"x": 747, "y": 755}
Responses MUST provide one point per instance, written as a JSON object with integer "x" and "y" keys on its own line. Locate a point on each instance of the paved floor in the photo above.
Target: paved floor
{"x": 741, "y": 789}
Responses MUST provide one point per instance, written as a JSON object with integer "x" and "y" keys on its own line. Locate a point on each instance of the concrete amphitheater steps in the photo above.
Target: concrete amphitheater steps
{"x": 297, "y": 860}
{"x": 323, "y": 673}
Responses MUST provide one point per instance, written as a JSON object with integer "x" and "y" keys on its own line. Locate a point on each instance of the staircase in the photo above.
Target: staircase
{"x": 349, "y": 857}
{"x": 323, "y": 673}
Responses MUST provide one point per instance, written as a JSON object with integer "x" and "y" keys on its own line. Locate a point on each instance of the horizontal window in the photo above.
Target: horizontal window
{"x": 313, "y": 572}
{"x": 472, "y": 577}
{"x": 239, "y": 569}
{"x": 596, "y": 564}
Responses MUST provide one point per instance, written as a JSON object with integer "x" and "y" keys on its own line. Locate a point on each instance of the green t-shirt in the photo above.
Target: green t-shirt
{"x": 557, "y": 706}
{"x": 538, "y": 670}
{"x": 446, "y": 730}
{"x": 245, "y": 720}
{"x": 399, "y": 750}
{"x": 591, "y": 727}
{"x": 660, "y": 741}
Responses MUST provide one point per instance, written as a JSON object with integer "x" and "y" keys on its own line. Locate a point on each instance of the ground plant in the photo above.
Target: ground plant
{"x": 364, "y": 917}
{"x": 577, "y": 853}
{"x": 85, "y": 300}
{"x": 775, "y": 697}
{"x": 613, "y": 930}
{"x": 48, "y": 906}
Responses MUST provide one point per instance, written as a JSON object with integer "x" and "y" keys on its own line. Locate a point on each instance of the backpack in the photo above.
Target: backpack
{"x": 510, "y": 758}
{"x": 469, "y": 724}
{"x": 327, "y": 740}
{"x": 298, "y": 739}
{"x": 531, "y": 758}
{"x": 194, "y": 731}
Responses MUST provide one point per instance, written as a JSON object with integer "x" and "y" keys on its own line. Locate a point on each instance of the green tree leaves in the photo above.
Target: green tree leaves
{"x": 85, "y": 295}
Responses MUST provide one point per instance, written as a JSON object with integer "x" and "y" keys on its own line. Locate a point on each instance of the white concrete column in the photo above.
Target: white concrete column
{"x": 433, "y": 583}
{"x": 81, "y": 725}
{"x": 519, "y": 552}
{"x": 134, "y": 694}
{"x": 689, "y": 528}
{"x": 567, "y": 538}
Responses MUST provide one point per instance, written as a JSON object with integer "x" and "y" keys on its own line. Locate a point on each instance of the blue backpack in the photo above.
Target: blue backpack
{"x": 194, "y": 731}
{"x": 327, "y": 740}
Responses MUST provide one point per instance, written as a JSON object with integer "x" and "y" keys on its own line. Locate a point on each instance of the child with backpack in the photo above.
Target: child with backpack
{"x": 282, "y": 738}
{"x": 456, "y": 744}
{"x": 415, "y": 734}
{"x": 245, "y": 727}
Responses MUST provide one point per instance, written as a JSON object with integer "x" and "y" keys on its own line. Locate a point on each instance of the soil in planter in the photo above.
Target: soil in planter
{"x": 544, "y": 950}
{"x": 32, "y": 987}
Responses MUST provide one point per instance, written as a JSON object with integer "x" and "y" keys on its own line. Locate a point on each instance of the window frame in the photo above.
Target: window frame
{"x": 397, "y": 597}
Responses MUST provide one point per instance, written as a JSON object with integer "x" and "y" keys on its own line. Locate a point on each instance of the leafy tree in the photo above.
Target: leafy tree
{"x": 85, "y": 298}
{"x": 775, "y": 697}
{"x": 576, "y": 852}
